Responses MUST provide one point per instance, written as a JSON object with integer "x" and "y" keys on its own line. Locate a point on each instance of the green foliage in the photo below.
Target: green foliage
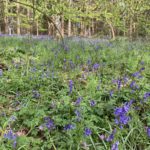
{"x": 37, "y": 83}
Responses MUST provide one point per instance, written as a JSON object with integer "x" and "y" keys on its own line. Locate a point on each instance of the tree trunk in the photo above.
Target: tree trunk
{"x": 69, "y": 21}
{"x": 5, "y": 19}
{"x": 28, "y": 16}
{"x": 112, "y": 31}
{"x": 18, "y": 18}
{"x": 37, "y": 28}
{"x": 62, "y": 25}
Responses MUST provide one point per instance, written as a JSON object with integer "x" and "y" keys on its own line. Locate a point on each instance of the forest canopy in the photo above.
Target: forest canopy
{"x": 88, "y": 18}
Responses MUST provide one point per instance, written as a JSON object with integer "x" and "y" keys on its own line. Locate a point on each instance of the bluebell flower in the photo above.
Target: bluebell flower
{"x": 125, "y": 79}
{"x": 96, "y": 66}
{"x": 134, "y": 86}
{"x": 111, "y": 93}
{"x": 87, "y": 132}
{"x": 49, "y": 123}
{"x": 77, "y": 113}
{"x": 11, "y": 136}
{"x": 111, "y": 136}
{"x": 115, "y": 146}
{"x": 136, "y": 74}
{"x": 69, "y": 127}
{"x": 121, "y": 114}
{"x": 141, "y": 69}
{"x": 92, "y": 103}
{"x": 148, "y": 132}
{"x": 119, "y": 84}
{"x": 146, "y": 95}
{"x": 78, "y": 101}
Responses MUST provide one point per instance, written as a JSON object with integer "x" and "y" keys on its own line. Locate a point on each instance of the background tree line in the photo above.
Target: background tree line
{"x": 89, "y": 18}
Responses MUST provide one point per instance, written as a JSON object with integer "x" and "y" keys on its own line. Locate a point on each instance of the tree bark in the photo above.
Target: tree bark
{"x": 18, "y": 17}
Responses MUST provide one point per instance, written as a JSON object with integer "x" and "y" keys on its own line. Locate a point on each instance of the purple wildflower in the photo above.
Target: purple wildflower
{"x": 126, "y": 79}
{"x": 121, "y": 113}
{"x": 11, "y": 136}
{"x": 119, "y": 84}
{"x": 102, "y": 136}
{"x": 111, "y": 93}
{"x": 136, "y": 74}
{"x": 87, "y": 132}
{"x": 146, "y": 95}
{"x": 92, "y": 103}
{"x": 77, "y": 113}
{"x": 134, "y": 86}
{"x": 148, "y": 132}
{"x": 115, "y": 146}
{"x": 49, "y": 123}
{"x": 78, "y": 101}
{"x": 111, "y": 136}
{"x": 142, "y": 69}
{"x": 95, "y": 66}
{"x": 69, "y": 127}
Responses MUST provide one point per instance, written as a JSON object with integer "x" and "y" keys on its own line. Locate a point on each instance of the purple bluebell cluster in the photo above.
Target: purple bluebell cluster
{"x": 111, "y": 93}
{"x": 96, "y": 66}
{"x": 121, "y": 114}
{"x": 11, "y": 136}
{"x": 134, "y": 86}
{"x": 111, "y": 136}
{"x": 87, "y": 132}
{"x": 78, "y": 115}
{"x": 118, "y": 82}
{"x": 78, "y": 101}
{"x": 69, "y": 127}
{"x": 136, "y": 74}
{"x": 148, "y": 131}
{"x": 146, "y": 95}
{"x": 49, "y": 123}
{"x": 115, "y": 146}
{"x": 92, "y": 103}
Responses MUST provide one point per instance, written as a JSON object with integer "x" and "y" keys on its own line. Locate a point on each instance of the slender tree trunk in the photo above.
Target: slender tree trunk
{"x": 69, "y": 27}
{"x": 28, "y": 16}
{"x": 69, "y": 21}
{"x": 62, "y": 25}
{"x": 18, "y": 18}
{"x": 37, "y": 28}
{"x": 82, "y": 29}
{"x": 112, "y": 31}
{"x": 49, "y": 28}
{"x": 93, "y": 29}
{"x": 89, "y": 31}
{"x": 5, "y": 20}
{"x": 130, "y": 28}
